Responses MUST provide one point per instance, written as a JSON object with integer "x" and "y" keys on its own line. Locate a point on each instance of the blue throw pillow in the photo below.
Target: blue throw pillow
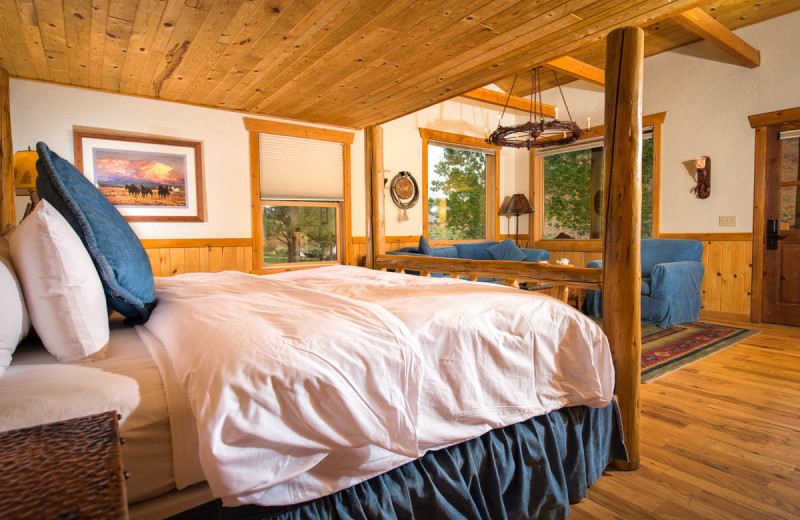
{"x": 424, "y": 247}
{"x": 507, "y": 250}
{"x": 115, "y": 249}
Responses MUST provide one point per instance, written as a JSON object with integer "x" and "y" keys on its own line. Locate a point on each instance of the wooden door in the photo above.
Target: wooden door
{"x": 781, "y": 278}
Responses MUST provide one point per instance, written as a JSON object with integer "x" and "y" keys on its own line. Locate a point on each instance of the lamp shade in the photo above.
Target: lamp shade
{"x": 25, "y": 169}
{"x": 518, "y": 205}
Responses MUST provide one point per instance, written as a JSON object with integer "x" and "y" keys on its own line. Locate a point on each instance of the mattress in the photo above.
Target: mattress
{"x": 37, "y": 389}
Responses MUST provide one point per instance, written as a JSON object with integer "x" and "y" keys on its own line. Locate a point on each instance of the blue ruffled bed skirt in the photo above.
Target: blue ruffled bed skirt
{"x": 533, "y": 469}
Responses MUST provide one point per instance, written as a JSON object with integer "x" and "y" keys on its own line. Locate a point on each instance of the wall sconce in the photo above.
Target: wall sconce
{"x": 24, "y": 166}
{"x": 703, "y": 177}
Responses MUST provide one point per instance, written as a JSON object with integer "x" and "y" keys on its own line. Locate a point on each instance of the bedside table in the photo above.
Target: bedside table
{"x": 67, "y": 469}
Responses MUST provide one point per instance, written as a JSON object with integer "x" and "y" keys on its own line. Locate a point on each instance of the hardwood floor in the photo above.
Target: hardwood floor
{"x": 720, "y": 439}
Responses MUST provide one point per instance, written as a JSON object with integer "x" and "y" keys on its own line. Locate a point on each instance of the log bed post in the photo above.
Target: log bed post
{"x": 373, "y": 171}
{"x": 622, "y": 275}
{"x": 7, "y": 207}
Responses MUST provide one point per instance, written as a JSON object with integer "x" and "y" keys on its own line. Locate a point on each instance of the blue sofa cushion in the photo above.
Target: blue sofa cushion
{"x": 115, "y": 249}
{"x": 507, "y": 250}
{"x": 475, "y": 250}
{"x": 424, "y": 247}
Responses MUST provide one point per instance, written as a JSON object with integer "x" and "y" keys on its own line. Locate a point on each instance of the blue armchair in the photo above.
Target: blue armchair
{"x": 672, "y": 272}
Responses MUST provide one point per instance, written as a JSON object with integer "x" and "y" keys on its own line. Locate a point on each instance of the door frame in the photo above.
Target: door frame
{"x": 761, "y": 124}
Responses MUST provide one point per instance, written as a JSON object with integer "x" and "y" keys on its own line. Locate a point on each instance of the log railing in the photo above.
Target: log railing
{"x": 512, "y": 272}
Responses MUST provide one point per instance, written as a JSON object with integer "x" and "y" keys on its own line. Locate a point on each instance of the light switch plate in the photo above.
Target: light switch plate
{"x": 727, "y": 221}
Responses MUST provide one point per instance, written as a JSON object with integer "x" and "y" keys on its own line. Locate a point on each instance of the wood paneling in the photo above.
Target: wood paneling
{"x": 719, "y": 439}
{"x": 206, "y": 255}
{"x": 7, "y": 206}
{"x": 328, "y": 61}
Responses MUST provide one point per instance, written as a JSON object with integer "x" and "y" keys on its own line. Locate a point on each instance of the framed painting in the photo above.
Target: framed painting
{"x": 147, "y": 178}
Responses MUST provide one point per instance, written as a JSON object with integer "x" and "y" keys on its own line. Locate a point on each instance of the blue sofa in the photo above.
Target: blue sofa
{"x": 672, "y": 273}
{"x": 472, "y": 251}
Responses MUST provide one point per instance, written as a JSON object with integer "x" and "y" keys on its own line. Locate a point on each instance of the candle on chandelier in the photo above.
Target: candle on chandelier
{"x": 588, "y": 122}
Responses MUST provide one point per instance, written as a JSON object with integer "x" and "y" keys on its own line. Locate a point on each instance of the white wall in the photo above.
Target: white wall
{"x": 707, "y": 99}
{"x": 46, "y": 112}
{"x": 402, "y": 147}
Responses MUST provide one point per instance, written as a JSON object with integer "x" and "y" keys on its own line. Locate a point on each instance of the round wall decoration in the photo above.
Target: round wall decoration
{"x": 405, "y": 192}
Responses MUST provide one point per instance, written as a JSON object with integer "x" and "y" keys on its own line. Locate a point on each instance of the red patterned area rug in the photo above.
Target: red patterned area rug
{"x": 665, "y": 350}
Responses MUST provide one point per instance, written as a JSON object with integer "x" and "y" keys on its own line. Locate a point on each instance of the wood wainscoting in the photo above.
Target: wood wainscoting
{"x": 727, "y": 257}
{"x": 204, "y": 255}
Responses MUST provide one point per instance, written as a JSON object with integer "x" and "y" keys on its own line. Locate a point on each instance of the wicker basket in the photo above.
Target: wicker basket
{"x": 67, "y": 469}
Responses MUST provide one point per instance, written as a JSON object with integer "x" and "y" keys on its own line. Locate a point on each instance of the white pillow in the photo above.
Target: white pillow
{"x": 14, "y": 321}
{"x": 62, "y": 288}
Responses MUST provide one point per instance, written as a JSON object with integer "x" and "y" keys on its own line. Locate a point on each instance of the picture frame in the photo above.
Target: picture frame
{"x": 147, "y": 178}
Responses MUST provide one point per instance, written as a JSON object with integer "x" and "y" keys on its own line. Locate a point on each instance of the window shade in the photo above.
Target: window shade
{"x": 442, "y": 144}
{"x": 583, "y": 144}
{"x": 789, "y": 134}
{"x": 295, "y": 168}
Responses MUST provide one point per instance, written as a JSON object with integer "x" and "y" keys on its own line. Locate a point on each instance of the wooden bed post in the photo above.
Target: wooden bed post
{"x": 622, "y": 277}
{"x": 373, "y": 171}
{"x": 7, "y": 206}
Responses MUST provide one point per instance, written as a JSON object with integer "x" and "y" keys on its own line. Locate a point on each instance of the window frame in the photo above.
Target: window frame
{"x": 492, "y": 217}
{"x": 343, "y": 212}
{"x": 303, "y": 204}
{"x": 591, "y": 244}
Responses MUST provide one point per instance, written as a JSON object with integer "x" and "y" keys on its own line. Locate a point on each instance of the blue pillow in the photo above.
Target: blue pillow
{"x": 115, "y": 249}
{"x": 507, "y": 250}
{"x": 424, "y": 247}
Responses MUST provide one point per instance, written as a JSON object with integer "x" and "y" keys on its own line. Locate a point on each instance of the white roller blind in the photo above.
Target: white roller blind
{"x": 789, "y": 134}
{"x": 486, "y": 151}
{"x": 295, "y": 168}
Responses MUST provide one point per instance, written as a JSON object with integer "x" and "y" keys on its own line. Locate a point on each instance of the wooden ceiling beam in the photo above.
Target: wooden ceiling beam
{"x": 499, "y": 99}
{"x": 578, "y": 69}
{"x": 706, "y": 27}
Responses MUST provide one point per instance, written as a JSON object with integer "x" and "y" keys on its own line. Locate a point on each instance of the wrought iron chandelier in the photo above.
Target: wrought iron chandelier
{"x": 536, "y": 132}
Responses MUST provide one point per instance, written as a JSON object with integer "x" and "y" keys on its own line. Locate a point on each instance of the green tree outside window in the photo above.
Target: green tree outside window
{"x": 456, "y": 194}
{"x": 568, "y": 200}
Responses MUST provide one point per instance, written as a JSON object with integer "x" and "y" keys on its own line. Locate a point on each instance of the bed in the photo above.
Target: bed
{"x": 484, "y": 381}
{"x": 487, "y": 447}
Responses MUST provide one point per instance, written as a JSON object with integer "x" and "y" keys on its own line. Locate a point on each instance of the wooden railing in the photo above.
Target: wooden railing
{"x": 512, "y": 272}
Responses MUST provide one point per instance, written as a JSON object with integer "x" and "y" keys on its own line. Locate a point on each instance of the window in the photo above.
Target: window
{"x": 300, "y": 232}
{"x": 572, "y": 187}
{"x": 458, "y": 181}
{"x": 299, "y": 183}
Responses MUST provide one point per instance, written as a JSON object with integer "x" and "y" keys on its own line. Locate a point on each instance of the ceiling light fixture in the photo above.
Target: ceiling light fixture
{"x": 536, "y": 132}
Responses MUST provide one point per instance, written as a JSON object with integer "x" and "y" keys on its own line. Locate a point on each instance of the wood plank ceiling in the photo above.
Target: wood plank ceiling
{"x": 344, "y": 62}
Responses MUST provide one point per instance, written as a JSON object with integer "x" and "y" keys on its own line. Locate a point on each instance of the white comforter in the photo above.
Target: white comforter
{"x": 305, "y": 383}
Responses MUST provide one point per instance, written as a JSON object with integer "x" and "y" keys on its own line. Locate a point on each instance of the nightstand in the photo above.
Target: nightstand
{"x": 67, "y": 469}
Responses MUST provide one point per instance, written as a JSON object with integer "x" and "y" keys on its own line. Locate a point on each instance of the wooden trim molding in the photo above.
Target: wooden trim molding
{"x": 8, "y": 214}
{"x": 292, "y": 130}
{"x": 719, "y": 315}
{"x": 554, "y": 244}
{"x": 778, "y": 117}
{"x": 492, "y": 184}
{"x": 737, "y": 237}
{"x": 449, "y": 137}
{"x": 256, "y": 126}
{"x": 158, "y": 243}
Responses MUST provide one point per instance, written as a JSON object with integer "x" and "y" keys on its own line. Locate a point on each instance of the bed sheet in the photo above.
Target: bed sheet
{"x": 37, "y": 389}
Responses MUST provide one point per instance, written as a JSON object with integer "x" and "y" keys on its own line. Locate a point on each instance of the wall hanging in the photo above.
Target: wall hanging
{"x": 405, "y": 193}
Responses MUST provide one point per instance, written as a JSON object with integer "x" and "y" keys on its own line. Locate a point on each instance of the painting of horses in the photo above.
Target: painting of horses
{"x": 147, "y": 178}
